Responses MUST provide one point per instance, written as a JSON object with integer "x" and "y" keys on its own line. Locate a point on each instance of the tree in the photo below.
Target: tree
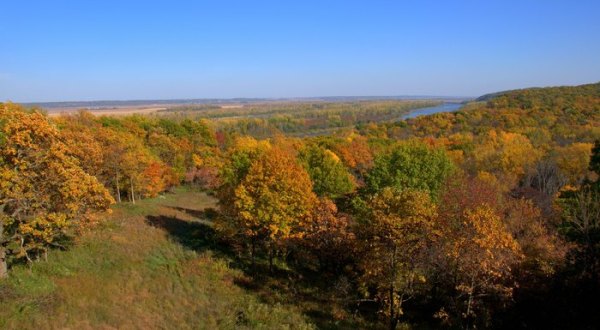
{"x": 543, "y": 251}
{"x": 355, "y": 154}
{"x": 397, "y": 233}
{"x": 238, "y": 160}
{"x": 505, "y": 154}
{"x": 272, "y": 200}
{"x": 573, "y": 160}
{"x": 43, "y": 191}
{"x": 581, "y": 216}
{"x": 411, "y": 165}
{"x": 477, "y": 253}
{"x": 595, "y": 163}
{"x": 329, "y": 176}
{"x": 328, "y": 237}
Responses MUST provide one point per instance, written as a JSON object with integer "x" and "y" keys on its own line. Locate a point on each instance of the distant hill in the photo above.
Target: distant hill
{"x": 541, "y": 95}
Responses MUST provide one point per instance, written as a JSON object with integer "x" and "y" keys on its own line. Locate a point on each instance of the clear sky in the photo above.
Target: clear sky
{"x": 95, "y": 50}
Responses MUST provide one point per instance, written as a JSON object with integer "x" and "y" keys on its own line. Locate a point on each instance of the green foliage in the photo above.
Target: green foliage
{"x": 411, "y": 165}
{"x": 329, "y": 175}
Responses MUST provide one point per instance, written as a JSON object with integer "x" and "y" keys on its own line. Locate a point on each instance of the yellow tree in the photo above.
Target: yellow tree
{"x": 78, "y": 132}
{"x": 43, "y": 190}
{"x": 239, "y": 159}
{"x": 398, "y": 233}
{"x": 505, "y": 154}
{"x": 272, "y": 200}
{"x": 573, "y": 160}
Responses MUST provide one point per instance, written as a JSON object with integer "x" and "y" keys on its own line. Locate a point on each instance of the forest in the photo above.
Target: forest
{"x": 319, "y": 215}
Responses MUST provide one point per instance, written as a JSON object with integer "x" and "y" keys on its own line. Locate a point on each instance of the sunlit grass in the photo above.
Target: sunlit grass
{"x": 129, "y": 274}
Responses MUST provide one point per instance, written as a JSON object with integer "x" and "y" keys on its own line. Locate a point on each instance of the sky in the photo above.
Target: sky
{"x": 123, "y": 50}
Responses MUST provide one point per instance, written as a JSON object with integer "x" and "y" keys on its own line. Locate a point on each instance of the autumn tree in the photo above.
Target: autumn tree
{"x": 543, "y": 250}
{"x": 476, "y": 251}
{"x": 594, "y": 165}
{"x": 238, "y": 160}
{"x": 272, "y": 200}
{"x": 43, "y": 191}
{"x": 573, "y": 160}
{"x": 506, "y": 155}
{"x": 327, "y": 237}
{"x": 356, "y": 154}
{"x": 397, "y": 235}
{"x": 79, "y": 132}
{"x": 581, "y": 215}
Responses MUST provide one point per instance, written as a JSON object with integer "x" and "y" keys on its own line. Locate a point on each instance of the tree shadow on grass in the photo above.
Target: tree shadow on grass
{"x": 195, "y": 235}
{"x": 207, "y": 214}
{"x": 280, "y": 285}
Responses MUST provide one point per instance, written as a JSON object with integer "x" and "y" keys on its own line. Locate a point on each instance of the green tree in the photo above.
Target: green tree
{"x": 411, "y": 165}
{"x": 329, "y": 175}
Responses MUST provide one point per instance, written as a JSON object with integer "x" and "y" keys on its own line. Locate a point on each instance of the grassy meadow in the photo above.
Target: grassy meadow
{"x": 157, "y": 260}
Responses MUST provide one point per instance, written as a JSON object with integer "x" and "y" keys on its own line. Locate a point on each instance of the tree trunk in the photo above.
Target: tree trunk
{"x": 118, "y": 189}
{"x": 253, "y": 253}
{"x": 271, "y": 258}
{"x": 393, "y": 318}
{"x": 132, "y": 192}
{"x": 3, "y": 266}
{"x": 470, "y": 302}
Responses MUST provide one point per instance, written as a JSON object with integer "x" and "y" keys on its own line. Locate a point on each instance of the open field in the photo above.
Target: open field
{"x": 157, "y": 261}
{"x": 109, "y": 112}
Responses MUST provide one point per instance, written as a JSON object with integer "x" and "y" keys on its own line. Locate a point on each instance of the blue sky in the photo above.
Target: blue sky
{"x": 93, "y": 50}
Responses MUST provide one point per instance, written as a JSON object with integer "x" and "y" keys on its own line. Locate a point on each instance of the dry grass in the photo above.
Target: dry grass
{"x": 144, "y": 268}
{"x": 124, "y": 111}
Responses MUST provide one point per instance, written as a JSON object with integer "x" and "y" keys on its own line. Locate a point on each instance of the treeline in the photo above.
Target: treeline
{"x": 411, "y": 232}
{"x": 266, "y": 119}
{"x": 54, "y": 174}
{"x": 488, "y": 217}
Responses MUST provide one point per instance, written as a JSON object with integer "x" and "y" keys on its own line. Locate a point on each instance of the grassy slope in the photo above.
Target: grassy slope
{"x": 143, "y": 268}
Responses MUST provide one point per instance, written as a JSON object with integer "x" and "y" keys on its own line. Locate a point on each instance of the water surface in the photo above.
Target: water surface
{"x": 444, "y": 107}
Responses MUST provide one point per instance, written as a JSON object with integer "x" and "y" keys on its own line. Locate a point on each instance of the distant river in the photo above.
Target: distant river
{"x": 445, "y": 107}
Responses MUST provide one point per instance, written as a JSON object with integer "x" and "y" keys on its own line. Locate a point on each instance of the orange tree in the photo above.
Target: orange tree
{"x": 475, "y": 255}
{"x": 328, "y": 238}
{"x": 43, "y": 190}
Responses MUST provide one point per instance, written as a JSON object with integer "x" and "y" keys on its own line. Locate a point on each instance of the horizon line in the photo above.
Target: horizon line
{"x": 242, "y": 99}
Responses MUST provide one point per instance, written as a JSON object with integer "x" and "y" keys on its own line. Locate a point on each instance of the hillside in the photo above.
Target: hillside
{"x": 160, "y": 266}
{"x": 538, "y": 95}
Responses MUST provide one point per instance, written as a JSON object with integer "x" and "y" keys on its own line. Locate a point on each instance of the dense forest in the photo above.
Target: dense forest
{"x": 488, "y": 217}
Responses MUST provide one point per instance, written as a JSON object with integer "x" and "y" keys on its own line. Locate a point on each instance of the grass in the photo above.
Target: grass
{"x": 150, "y": 265}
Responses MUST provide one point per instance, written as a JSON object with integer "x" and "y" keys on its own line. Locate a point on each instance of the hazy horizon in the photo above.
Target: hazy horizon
{"x": 233, "y": 99}
{"x": 60, "y": 52}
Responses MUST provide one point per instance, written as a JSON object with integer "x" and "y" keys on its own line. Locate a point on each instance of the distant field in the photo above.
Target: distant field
{"x": 264, "y": 118}
{"x": 108, "y": 112}
{"x": 232, "y": 108}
